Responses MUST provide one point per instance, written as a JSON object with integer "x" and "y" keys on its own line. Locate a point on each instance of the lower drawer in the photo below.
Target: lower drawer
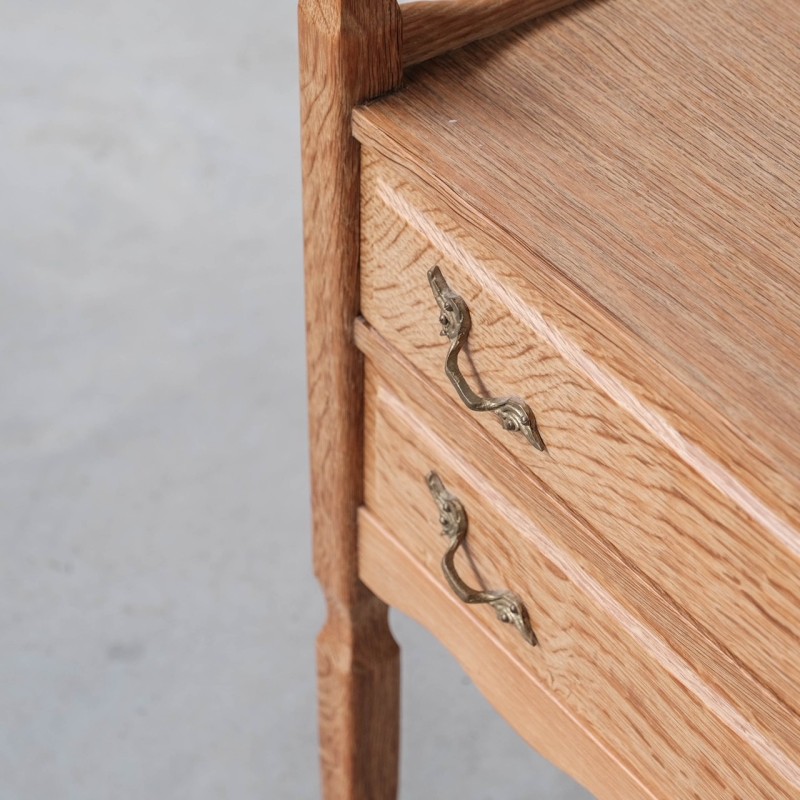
{"x": 394, "y": 574}
{"x": 596, "y": 670}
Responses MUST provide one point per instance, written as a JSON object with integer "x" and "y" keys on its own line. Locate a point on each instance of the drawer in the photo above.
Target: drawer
{"x": 635, "y": 700}
{"x": 395, "y": 575}
{"x": 606, "y": 456}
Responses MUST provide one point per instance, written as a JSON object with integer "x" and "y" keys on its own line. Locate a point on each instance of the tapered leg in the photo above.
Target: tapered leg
{"x": 359, "y": 703}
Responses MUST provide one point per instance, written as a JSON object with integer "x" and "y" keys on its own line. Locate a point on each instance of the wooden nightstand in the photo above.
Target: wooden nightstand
{"x": 552, "y": 300}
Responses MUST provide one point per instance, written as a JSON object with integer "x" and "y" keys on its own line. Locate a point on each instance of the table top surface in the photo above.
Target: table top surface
{"x": 650, "y": 153}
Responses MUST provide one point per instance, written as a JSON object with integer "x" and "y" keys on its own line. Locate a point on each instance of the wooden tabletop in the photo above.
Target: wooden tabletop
{"x": 649, "y": 153}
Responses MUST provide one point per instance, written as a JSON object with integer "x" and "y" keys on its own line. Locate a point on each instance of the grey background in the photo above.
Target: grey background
{"x": 157, "y": 607}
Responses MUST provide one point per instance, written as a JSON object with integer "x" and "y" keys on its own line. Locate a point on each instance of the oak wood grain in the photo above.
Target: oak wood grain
{"x": 349, "y": 52}
{"x": 650, "y": 161}
{"x": 678, "y": 737}
{"x": 701, "y": 661}
{"x": 434, "y": 27}
{"x": 677, "y": 527}
{"x": 393, "y": 574}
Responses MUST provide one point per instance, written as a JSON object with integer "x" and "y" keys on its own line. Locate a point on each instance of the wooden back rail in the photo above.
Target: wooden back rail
{"x": 434, "y": 27}
{"x": 352, "y": 51}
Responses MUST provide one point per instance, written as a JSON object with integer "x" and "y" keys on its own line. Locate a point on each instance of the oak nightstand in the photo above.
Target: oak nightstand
{"x": 554, "y": 366}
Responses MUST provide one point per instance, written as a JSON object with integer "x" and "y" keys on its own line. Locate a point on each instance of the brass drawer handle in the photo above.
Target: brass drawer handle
{"x": 514, "y": 414}
{"x": 453, "y": 518}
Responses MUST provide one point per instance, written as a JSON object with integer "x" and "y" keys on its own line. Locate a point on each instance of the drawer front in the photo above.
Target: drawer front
{"x": 636, "y": 494}
{"x": 593, "y": 658}
{"x": 396, "y": 576}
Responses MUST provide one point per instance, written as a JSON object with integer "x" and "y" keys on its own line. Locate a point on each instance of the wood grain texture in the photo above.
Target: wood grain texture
{"x": 639, "y": 496}
{"x": 393, "y": 574}
{"x": 651, "y": 163}
{"x": 349, "y": 52}
{"x": 748, "y": 708}
{"x": 679, "y": 738}
{"x": 434, "y": 27}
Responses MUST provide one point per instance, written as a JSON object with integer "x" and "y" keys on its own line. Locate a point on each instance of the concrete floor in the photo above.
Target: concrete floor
{"x": 157, "y": 609}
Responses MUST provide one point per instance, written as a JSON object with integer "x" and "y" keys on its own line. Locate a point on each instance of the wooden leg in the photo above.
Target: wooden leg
{"x": 358, "y": 665}
{"x": 349, "y": 52}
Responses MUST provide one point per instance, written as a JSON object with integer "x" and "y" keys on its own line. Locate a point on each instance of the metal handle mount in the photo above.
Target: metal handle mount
{"x": 453, "y": 518}
{"x": 514, "y": 414}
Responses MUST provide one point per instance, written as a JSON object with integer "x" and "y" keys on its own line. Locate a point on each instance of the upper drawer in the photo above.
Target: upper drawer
{"x": 603, "y": 457}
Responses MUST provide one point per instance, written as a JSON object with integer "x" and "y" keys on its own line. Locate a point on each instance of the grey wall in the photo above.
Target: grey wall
{"x": 157, "y": 608}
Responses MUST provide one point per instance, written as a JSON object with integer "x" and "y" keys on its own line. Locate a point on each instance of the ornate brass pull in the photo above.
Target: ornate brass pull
{"x": 453, "y": 518}
{"x": 514, "y": 414}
